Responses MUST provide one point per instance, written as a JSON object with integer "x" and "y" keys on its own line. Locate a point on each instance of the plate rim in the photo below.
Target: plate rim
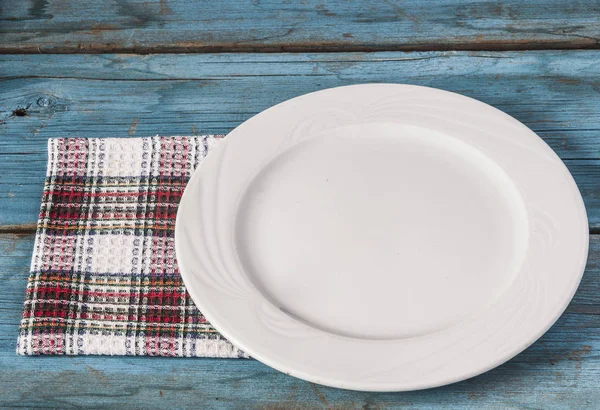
{"x": 500, "y": 359}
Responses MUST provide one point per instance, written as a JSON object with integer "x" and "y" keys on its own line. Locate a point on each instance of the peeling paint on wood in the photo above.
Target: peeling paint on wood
{"x": 561, "y": 370}
{"x": 556, "y": 93}
{"x": 69, "y": 26}
{"x": 133, "y": 126}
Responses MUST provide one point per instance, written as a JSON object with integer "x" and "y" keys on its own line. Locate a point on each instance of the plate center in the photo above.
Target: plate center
{"x": 388, "y": 233}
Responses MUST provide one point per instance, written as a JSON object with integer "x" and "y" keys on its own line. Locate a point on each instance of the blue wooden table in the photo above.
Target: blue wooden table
{"x": 129, "y": 68}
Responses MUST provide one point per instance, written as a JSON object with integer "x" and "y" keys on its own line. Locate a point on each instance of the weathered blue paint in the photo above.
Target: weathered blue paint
{"x": 250, "y": 25}
{"x": 561, "y": 370}
{"x": 555, "y": 93}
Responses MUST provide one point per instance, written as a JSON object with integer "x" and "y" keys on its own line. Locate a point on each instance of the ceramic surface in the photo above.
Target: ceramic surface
{"x": 382, "y": 237}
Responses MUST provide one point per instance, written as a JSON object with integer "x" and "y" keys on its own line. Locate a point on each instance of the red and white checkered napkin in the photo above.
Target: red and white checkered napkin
{"x": 104, "y": 279}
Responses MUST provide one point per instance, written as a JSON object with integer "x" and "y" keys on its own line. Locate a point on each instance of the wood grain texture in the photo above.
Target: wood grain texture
{"x": 141, "y": 26}
{"x": 556, "y": 93}
{"x": 561, "y": 370}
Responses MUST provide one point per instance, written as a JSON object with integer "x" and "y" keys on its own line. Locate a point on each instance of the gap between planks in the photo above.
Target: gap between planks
{"x": 191, "y": 48}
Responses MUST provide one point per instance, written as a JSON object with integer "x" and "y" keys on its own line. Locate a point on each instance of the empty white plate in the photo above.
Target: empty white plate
{"x": 382, "y": 237}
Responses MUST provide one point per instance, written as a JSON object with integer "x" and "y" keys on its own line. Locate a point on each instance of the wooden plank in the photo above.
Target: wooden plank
{"x": 556, "y": 93}
{"x": 140, "y": 26}
{"x": 561, "y": 370}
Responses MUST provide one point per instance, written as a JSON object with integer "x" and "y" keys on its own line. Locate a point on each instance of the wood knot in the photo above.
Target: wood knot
{"x": 44, "y": 102}
{"x": 20, "y": 112}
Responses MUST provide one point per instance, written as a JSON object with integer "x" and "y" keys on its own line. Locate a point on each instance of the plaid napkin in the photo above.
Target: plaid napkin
{"x": 104, "y": 279}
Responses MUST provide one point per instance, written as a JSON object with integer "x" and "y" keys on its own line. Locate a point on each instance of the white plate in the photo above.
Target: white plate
{"x": 382, "y": 237}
